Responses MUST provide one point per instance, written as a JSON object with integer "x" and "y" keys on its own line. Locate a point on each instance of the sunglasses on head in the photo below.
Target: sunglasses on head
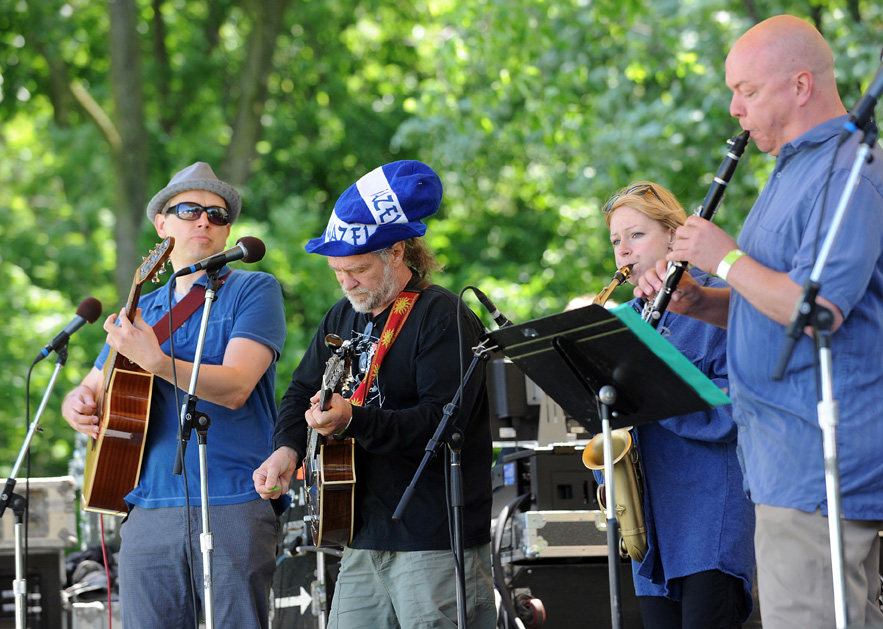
{"x": 189, "y": 211}
{"x": 646, "y": 188}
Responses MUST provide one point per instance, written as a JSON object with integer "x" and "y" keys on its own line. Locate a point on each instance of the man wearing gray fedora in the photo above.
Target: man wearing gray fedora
{"x": 161, "y": 571}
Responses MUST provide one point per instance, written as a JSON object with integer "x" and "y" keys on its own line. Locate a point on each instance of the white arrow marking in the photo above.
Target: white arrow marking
{"x": 302, "y": 600}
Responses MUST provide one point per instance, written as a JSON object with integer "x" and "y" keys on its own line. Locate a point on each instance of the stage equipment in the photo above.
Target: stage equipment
{"x": 305, "y": 575}
{"x": 608, "y": 366}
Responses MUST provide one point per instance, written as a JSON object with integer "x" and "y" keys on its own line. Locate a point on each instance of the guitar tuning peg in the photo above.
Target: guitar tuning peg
{"x": 155, "y": 279}
{"x": 143, "y": 258}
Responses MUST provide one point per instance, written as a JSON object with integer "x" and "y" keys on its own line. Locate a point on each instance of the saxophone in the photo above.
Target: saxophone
{"x": 627, "y": 472}
{"x": 620, "y": 277}
{"x": 628, "y": 479}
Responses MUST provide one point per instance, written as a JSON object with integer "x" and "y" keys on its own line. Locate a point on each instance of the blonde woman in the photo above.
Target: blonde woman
{"x": 699, "y": 567}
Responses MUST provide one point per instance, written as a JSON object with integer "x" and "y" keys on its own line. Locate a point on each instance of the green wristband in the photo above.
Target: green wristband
{"x": 724, "y": 267}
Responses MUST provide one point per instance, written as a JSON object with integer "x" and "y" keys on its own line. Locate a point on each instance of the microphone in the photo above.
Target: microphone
{"x": 498, "y": 317}
{"x": 248, "y": 249}
{"x": 87, "y": 312}
{"x": 860, "y": 117}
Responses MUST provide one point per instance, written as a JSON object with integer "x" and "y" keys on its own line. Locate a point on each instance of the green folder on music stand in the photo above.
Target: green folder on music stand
{"x": 571, "y": 355}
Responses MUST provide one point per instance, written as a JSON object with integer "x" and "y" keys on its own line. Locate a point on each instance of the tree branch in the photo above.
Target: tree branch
{"x": 253, "y": 88}
{"x": 98, "y": 116}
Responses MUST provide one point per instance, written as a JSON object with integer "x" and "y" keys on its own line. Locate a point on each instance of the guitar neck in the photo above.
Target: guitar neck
{"x": 132, "y": 301}
{"x": 325, "y": 399}
{"x": 336, "y": 370}
{"x": 149, "y": 268}
{"x": 115, "y": 360}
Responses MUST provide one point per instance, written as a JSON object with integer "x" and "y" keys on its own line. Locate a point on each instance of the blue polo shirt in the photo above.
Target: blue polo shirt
{"x": 779, "y": 435}
{"x": 248, "y": 305}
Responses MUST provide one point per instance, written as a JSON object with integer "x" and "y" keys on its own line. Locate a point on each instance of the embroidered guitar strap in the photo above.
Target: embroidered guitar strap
{"x": 401, "y": 308}
{"x": 183, "y": 310}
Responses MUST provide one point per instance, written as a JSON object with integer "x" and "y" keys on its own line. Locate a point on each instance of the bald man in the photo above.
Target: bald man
{"x": 781, "y": 73}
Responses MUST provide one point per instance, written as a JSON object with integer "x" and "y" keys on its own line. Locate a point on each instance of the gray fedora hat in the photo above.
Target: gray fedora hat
{"x": 198, "y": 176}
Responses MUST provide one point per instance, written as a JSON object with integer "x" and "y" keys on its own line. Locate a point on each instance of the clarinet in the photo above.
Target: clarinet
{"x": 653, "y": 310}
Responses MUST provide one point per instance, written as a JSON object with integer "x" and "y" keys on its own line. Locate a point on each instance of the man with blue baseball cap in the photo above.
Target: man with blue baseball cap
{"x": 411, "y": 338}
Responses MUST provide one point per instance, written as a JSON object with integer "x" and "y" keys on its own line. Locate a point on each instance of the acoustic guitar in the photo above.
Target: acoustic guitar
{"x": 329, "y": 473}
{"x": 113, "y": 459}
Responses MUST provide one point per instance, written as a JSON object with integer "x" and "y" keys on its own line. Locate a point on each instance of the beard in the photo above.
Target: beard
{"x": 367, "y": 301}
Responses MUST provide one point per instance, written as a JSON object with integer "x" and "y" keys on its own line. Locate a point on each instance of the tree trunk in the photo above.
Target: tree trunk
{"x": 253, "y": 89}
{"x": 130, "y": 159}
{"x": 161, "y": 59}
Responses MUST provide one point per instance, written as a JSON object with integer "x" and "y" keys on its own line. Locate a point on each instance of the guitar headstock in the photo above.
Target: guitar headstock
{"x": 336, "y": 369}
{"x": 154, "y": 263}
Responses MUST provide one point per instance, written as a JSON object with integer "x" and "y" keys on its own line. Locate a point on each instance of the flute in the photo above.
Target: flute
{"x": 653, "y": 310}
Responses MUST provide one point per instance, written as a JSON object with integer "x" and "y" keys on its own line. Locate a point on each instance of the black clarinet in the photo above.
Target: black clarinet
{"x": 653, "y": 310}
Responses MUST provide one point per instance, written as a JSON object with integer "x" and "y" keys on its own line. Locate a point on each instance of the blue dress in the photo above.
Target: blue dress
{"x": 697, "y": 515}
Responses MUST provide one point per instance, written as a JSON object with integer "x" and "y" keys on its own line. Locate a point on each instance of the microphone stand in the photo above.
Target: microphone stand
{"x": 808, "y": 312}
{"x": 453, "y": 436}
{"x": 319, "y": 587}
{"x": 20, "y": 505}
{"x": 192, "y": 419}
{"x": 606, "y": 398}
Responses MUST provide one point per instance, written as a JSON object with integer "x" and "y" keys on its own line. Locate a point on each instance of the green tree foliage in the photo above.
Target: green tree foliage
{"x": 540, "y": 111}
{"x": 532, "y": 111}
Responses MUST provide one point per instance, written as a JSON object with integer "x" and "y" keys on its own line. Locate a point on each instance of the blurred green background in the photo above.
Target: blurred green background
{"x": 532, "y": 112}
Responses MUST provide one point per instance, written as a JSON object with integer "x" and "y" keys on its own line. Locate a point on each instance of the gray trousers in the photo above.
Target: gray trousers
{"x": 160, "y": 572}
{"x": 411, "y": 590}
{"x": 794, "y": 575}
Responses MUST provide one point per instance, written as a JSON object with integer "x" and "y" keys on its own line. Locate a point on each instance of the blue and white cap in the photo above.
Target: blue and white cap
{"x": 380, "y": 209}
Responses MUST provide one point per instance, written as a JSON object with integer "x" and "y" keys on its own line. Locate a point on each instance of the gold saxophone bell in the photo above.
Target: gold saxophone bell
{"x": 629, "y": 489}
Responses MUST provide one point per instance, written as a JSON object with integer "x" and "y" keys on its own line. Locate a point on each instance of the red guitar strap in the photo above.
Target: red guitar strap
{"x": 398, "y": 314}
{"x": 183, "y": 310}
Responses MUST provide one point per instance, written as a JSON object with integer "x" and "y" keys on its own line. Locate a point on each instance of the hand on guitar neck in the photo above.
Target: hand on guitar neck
{"x": 129, "y": 335}
{"x": 329, "y": 414}
{"x": 334, "y": 419}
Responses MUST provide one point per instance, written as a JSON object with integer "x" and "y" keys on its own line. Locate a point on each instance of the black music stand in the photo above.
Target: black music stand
{"x": 608, "y": 368}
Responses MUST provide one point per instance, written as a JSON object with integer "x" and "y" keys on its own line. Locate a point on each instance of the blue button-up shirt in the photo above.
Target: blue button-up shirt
{"x": 780, "y": 440}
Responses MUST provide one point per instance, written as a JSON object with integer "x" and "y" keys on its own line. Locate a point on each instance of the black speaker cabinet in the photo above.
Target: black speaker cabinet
{"x": 577, "y": 595}
{"x": 297, "y": 595}
{"x": 554, "y": 476}
{"x": 44, "y": 576}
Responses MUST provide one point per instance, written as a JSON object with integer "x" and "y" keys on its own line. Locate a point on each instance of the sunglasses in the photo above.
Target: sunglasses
{"x": 634, "y": 189}
{"x": 189, "y": 211}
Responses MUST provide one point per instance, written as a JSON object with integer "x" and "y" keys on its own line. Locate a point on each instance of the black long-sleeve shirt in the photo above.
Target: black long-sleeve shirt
{"x": 418, "y": 377}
